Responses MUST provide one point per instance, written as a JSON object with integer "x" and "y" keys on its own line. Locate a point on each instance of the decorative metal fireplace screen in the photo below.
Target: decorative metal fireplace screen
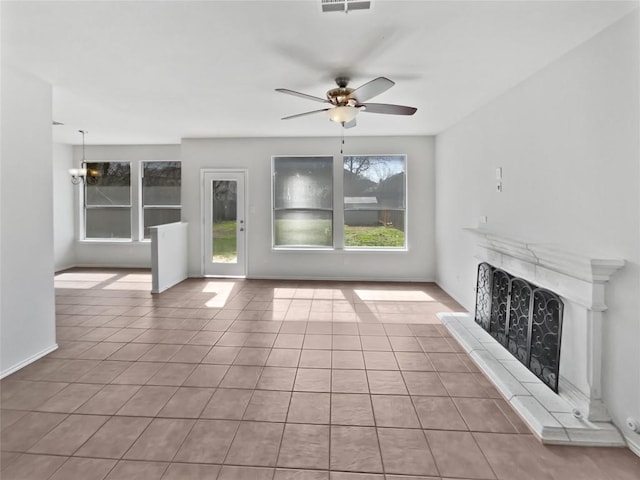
{"x": 524, "y": 318}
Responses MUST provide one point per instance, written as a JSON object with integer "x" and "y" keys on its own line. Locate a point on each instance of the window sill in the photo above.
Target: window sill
{"x": 303, "y": 249}
{"x": 346, "y": 249}
{"x": 115, "y": 241}
{"x": 376, "y": 249}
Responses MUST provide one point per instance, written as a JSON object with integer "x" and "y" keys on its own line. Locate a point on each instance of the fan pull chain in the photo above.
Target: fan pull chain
{"x": 342, "y": 144}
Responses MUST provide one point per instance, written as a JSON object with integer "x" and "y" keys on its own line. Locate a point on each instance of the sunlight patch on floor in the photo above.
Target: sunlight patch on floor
{"x": 74, "y": 284}
{"x": 81, "y": 281}
{"x": 136, "y": 277}
{"x": 393, "y": 295}
{"x": 85, "y": 277}
{"x": 222, "y": 292}
{"x": 132, "y": 281}
{"x": 121, "y": 285}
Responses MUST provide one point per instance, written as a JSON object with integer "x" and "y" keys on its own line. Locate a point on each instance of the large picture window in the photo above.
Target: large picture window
{"x": 374, "y": 201}
{"x": 108, "y": 200}
{"x": 161, "y": 183}
{"x": 303, "y": 201}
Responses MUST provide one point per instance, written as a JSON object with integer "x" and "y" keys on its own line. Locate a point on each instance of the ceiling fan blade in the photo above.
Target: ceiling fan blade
{"x": 388, "y": 108}
{"x": 371, "y": 89}
{"x": 350, "y": 124}
{"x": 302, "y": 95}
{"x": 304, "y": 114}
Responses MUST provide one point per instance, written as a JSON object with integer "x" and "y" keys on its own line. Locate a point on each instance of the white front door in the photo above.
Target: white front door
{"x": 224, "y": 228}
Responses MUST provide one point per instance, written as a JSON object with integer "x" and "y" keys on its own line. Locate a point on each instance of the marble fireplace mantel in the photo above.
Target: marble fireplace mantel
{"x": 577, "y": 414}
{"x": 579, "y": 278}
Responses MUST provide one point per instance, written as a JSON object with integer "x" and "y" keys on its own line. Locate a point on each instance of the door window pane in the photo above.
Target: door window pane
{"x": 224, "y": 221}
{"x": 108, "y": 222}
{"x": 374, "y": 201}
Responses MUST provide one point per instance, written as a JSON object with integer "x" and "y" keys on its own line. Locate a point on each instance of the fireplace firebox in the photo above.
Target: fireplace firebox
{"x": 523, "y": 318}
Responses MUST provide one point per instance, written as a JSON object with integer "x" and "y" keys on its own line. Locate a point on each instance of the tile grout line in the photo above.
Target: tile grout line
{"x": 424, "y": 435}
{"x": 284, "y": 427}
{"x": 375, "y": 424}
{"x": 330, "y": 399}
{"x": 253, "y": 391}
{"x": 469, "y": 431}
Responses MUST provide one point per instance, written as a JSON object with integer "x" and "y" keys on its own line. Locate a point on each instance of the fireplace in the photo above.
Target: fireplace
{"x": 522, "y": 317}
{"x": 536, "y": 304}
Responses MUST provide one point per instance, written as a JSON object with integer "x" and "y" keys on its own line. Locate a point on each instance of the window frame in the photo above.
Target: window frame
{"x": 85, "y": 207}
{"x": 332, "y": 210}
{"x": 142, "y": 207}
{"x": 405, "y": 210}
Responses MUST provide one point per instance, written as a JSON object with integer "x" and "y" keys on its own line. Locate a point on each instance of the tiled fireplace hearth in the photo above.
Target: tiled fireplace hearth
{"x": 576, "y": 414}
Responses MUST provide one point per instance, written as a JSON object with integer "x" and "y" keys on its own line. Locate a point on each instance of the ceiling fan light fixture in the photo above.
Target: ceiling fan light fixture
{"x": 343, "y": 114}
{"x": 345, "y": 103}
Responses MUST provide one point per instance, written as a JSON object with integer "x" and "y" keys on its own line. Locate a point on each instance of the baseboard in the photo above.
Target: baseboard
{"x": 455, "y": 297}
{"x": 28, "y": 361}
{"x": 66, "y": 267}
{"x": 633, "y": 444}
{"x": 101, "y": 265}
{"x": 114, "y": 265}
{"x": 339, "y": 279}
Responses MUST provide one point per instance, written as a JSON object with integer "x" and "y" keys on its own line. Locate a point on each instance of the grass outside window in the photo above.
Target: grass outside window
{"x": 373, "y": 236}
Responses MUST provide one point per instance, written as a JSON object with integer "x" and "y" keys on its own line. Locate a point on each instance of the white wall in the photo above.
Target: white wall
{"x": 568, "y": 142}
{"x": 254, "y": 154}
{"x": 118, "y": 254}
{"x": 63, "y": 208}
{"x": 168, "y": 255}
{"x": 27, "y": 306}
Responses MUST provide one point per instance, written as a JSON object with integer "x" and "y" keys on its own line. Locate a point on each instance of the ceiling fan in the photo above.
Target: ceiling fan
{"x": 347, "y": 102}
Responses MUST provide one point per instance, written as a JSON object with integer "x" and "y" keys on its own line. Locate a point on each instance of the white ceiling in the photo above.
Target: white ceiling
{"x": 144, "y": 72}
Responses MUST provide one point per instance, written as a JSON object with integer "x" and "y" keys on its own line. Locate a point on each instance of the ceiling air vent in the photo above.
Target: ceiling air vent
{"x": 345, "y": 5}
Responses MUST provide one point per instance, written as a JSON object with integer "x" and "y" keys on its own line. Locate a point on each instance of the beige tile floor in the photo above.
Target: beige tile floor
{"x": 278, "y": 380}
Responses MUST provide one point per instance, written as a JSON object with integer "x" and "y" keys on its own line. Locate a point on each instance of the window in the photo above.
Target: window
{"x": 303, "y": 201}
{"x": 374, "y": 201}
{"x": 107, "y": 196}
{"x": 160, "y": 194}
